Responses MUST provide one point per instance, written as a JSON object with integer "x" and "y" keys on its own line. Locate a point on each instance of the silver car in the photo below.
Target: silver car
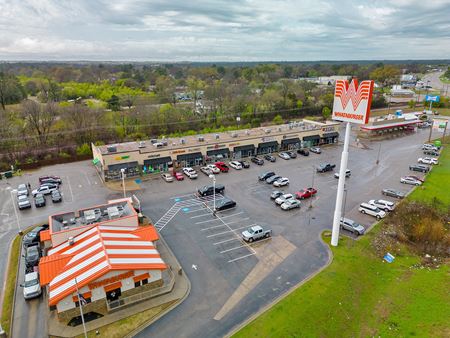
{"x": 22, "y": 189}
{"x": 23, "y": 202}
{"x": 352, "y": 226}
{"x": 167, "y": 177}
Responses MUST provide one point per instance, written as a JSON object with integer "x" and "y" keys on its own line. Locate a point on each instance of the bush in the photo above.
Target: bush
{"x": 84, "y": 149}
{"x": 63, "y": 154}
{"x": 277, "y": 119}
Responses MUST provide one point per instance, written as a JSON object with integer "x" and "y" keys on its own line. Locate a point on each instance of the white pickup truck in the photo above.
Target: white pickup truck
{"x": 254, "y": 233}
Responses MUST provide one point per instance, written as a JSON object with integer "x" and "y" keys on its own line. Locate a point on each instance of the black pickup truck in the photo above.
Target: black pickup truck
{"x": 325, "y": 167}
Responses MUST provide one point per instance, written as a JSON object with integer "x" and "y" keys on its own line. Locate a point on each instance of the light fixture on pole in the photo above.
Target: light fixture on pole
{"x": 214, "y": 192}
{"x": 123, "y": 182}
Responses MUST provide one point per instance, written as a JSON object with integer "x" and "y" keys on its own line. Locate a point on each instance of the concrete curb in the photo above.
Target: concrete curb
{"x": 281, "y": 297}
{"x": 11, "y": 321}
{"x": 2, "y": 296}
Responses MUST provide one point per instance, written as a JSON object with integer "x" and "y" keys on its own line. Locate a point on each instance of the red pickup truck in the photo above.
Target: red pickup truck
{"x": 222, "y": 166}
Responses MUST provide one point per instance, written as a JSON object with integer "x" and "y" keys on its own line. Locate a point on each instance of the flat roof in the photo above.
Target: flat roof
{"x": 389, "y": 125}
{"x": 216, "y": 138}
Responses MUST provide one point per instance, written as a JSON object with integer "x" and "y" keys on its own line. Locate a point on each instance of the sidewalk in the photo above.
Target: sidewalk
{"x": 179, "y": 292}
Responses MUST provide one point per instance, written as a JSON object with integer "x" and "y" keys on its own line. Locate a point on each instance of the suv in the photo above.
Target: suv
{"x": 244, "y": 164}
{"x": 209, "y": 190}
{"x": 325, "y": 167}
{"x": 429, "y": 147}
{"x": 419, "y": 167}
{"x": 222, "y": 167}
{"x": 32, "y": 237}
{"x": 23, "y": 202}
{"x": 372, "y": 210}
{"x": 32, "y": 255}
{"x": 270, "y": 158}
{"x": 383, "y": 204}
{"x": 303, "y": 151}
{"x": 272, "y": 179}
{"x": 189, "y": 172}
{"x": 431, "y": 152}
{"x": 352, "y": 226}
{"x": 283, "y": 198}
{"x": 235, "y": 165}
{"x": 39, "y": 200}
{"x": 44, "y": 189}
{"x": 257, "y": 160}
{"x": 266, "y": 175}
{"x": 316, "y": 150}
{"x": 31, "y": 286}
{"x": 284, "y": 156}
{"x": 292, "y": 154}
{"x": 22, "y": 189}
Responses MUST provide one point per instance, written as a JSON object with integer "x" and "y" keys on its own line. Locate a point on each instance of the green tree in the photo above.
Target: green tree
{"x": 386, "y": 75}
{"x": 113, "y": 103}
{"x": 11, "y": 90}
{"x": 278, "y": 120}
{"x": 326, "y": 113}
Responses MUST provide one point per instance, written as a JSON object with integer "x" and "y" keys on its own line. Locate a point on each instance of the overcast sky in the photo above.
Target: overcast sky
{"x": 224, "y": 30}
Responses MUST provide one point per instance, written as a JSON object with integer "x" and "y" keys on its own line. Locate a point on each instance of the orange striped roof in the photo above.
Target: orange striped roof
{"x": 44, "y": 235}
{"x": 94, "y": 253}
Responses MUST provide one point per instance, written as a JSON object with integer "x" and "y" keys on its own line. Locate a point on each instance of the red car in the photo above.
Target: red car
{"x": 417, "y": 178}
{"x": 222, "y": 166}
{"x": 305, "y": 193}
{"x": 178, "y": 176}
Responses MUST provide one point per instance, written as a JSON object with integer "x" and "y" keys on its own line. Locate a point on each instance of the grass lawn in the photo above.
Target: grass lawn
{"x": 359, "y": 295}
{"x": 444, "y": 79}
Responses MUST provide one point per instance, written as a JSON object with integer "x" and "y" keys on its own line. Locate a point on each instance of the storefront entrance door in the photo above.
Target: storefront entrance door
{"x": 113, "y": 294}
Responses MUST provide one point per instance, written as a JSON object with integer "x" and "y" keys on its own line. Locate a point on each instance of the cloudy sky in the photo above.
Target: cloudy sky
{"x": 224, "y": 30}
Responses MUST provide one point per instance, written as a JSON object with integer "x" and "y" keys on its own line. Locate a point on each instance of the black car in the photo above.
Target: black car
{"x": 431, "y": 152}
{"x": 270, "y": 158}
{"x": 225, "y": 204}
{"x": 244, "y": 164}
{"x": 272, "y": 179}
{"x": 257, "y": 160}
{"x": 32, "y": 237}
{"x": 208, "y": 190}
{"x": 292, "y": 154}
{"x": 419, "y": 167}
{"x": 304, "y": 152}
{"x": 32, "y": 255}
{"x": 266, "y": 175}
{"x": 393, "y": 193}
{"x": 325, "y": 167}
{"x": 56, "y": 196}
{"x": 39, "y": 201}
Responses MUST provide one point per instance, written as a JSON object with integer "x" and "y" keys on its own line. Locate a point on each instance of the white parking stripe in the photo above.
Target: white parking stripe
{"x": 220, "y": 218}
{"x": 227, "y": 240}
{"x": 235, "y": 248}
{"x": 223, "y": 225}
{"x": 191, "y": 194}
{"x": 236, "y": 259}
{"x": 202, "y": 215}
{"x": 224, "y": 232}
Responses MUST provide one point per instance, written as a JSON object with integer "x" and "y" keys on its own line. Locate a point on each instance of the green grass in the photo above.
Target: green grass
{"x": 359, "y": 295}
{"x": 444, "y": 79}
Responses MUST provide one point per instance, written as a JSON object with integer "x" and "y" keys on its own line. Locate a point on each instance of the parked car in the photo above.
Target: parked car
{"x": 369, "y": 209}
{"x": 44, "y": 189}
{"x": 303, "y": 151}
{"x": 22, "y": 189}
{"x": 284, "y": 156}
{"x": 50, "y": 179}
{"x": 419, "y": 167}
{"x": 431, "y": 152}
{"x": 352, "y": 226}
{"x": 290, "y": 204}
{"x": 207, "y": 171}
{"x": 167, "y": 177}
{"x": 178, "y": 176}
{"x": 225, "y": 204}
{"x": 208, "y": 190}
{"x": 281, "y": 182}
{"x": 235, "y": 165}
{"x": 255, "y": 232}
{"x": 325, "y": 167}
{"x": 264, "y": 176}
{"x": 347, "y": 173}
{"x": 428, "y": 146}
{"x": 23, "y": 202}
{"x": 32, "y": 255}
{"x": 283, "y": 198}
{"x": 383, "y": 204}
{"x": 270, "y": 158}
{"x": 410, "y": 180}
{"x": 31, "y": 286}
{"x": 272, "y": 179}
{"x": 306, "y": 193}
{"x": 257, "y": 160}
{"x": 189, "y": 172}
{"x": 421, "y": 179}
{"x": 393, "y": 193}
{"x": 56, "y": 196}
{"x": 32, "y": 237}
{"x": 39, "y": 200}
{"x": 213, "y": 168}
{"x": 292, "y": 154}
{"x": 222, "y": 167}
{"x": 428, "y": 160}
{"x": 275, "y": 194}
{"x": 316, "y": 150}
{"x": 244, "y": 164}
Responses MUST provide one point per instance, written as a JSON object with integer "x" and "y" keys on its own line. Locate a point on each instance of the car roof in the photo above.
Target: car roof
{"x": 31, "y": 276}
{"x": 256, "y": 227}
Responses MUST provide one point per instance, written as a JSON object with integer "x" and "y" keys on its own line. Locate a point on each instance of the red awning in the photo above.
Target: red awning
{"x": 141, "y": 277}
{"x": 113, "y": 286}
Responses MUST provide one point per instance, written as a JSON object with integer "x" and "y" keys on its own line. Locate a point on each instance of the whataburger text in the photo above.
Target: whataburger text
{"x": 348, "y": 115}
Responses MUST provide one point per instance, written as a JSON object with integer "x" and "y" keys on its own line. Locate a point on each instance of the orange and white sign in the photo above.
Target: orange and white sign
{"x": 352, "y": 102}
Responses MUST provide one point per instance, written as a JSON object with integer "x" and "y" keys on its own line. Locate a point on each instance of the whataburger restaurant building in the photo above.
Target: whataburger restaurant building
{"x": 160, "y": 155}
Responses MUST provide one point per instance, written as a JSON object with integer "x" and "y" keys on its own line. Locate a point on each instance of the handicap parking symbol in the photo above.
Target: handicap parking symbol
{"x": 185, "y": 209}
{"x": 177, "y": 199}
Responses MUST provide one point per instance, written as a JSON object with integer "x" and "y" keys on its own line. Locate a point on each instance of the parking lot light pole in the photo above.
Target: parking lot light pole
{"x": 123, "y": 182}
{"x": 214, "y": 192}
{"x": 340, "y": 189}
{"x": 312, "y": 186}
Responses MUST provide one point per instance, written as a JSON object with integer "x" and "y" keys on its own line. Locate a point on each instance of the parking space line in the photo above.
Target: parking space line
{"x": 195, "y": 210}
{"x": 225, "y": 224}
{"x": 227, "y": 240}
{"x": 224, "y": 232}
{"x": 70, "y": 188}
{"x": 235, "y": 248}
{"x": 202, "y": 215}
{"x": 236, "y": 259}
{"x": 219, "y": 218}
{"x": 87, "y": 179}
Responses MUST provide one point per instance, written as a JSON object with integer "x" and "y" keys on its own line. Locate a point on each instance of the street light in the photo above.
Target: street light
{"x": 312, "y": 185}
{"x": 123, "y": 181}
{"x": 213, "y": 177}
{"x": 345, "y": 201}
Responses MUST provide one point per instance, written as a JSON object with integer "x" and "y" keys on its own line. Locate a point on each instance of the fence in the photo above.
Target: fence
{"x": 126, "y": 301}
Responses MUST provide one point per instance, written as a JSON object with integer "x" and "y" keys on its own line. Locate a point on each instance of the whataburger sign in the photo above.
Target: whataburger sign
{"x": 352, "y": 102}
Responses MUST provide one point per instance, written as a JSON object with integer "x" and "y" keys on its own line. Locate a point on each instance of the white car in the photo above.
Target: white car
{"x": 428, "y": 160}
{"x": 429, "y": 147}
{"x": 22, "y": 189}
{"x": 23, "y": 202}
{"x": 347, "y": 173}
{"x": 410, "y": 180}
{"x": 31, "y": 286}
{"x": 369, "y": 209}
{"x": 383, "y": 204}
{"x": 213, "y": 168}
{"x": 236, "y": 165}
{"x": 284, "y": 156}
{"x": 207, "y": 171}
{"x": 283, "y": 198}
{"x": 167, "y": 177}
{"x": 290, "y": 204}
{"x": 44, "y": 189}
{"x": 189, "y": 172}
{"x": 281, "y": 182}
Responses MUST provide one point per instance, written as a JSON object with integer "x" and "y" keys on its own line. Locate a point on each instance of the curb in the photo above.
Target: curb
{"x": 281, "y": 297}
{"x": 11, "y": 321}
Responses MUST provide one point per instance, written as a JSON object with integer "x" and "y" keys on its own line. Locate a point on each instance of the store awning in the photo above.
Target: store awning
{"x": 158, "y": 161}
{"x": 218, "y": 152}
{"x": 141, "y": 277}
{"x": 244, "y": 148}
{"x": 311, "y": 138}
{"x": 127, "y": 165}
{"x": 333, "y": 134}
{"x": 113, "y": 286}
{"x": 290, "y": 141}
{"x": 187, "y": 157}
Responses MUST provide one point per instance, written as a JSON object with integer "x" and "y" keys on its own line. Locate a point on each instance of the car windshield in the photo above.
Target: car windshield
{"x": 22, "y": 198}
{"x": 251, "y": 231}
{"x": 32, "y": 282}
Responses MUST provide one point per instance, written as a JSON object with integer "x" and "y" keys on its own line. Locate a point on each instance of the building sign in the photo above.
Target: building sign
{"x": 154, "y": 155}
{"x": 110, "y": 280}
{"x": 194, "y": 149}
{"x": 352, "y": 102}
{"x": 119, "y": 158}
{"x": 430, "y": 98}
{"x": 234, "y": 144}
{"x": 216, "y": 146}
{"x": 178, "y": 151}
{"x": 326, "y": 129}
{"x": 267, "y": 138}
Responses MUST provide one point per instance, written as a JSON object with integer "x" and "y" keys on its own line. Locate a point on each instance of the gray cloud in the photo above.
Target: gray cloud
{"x": 223, "y": 30}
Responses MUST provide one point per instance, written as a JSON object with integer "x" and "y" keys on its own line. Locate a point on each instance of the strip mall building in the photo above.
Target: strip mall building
{"x": 102, "y": 252}
{"x": 160, "y": 155}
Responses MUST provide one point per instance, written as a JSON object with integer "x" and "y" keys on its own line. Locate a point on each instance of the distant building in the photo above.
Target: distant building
{"x": 325, "y": 80}
{"x": 408, "y": 80}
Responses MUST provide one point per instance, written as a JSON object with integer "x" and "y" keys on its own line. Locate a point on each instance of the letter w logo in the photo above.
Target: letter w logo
{"x": 352, "y": 93}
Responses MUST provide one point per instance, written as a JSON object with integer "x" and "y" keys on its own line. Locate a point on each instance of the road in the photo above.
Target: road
{"x": 436, "y": 83}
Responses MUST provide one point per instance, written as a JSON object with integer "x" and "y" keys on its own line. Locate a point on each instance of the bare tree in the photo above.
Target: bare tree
{"x": 40, "y": 119}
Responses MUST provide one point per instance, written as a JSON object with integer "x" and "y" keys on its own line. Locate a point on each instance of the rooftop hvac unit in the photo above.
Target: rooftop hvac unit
{"x": 71, "y": 240}
{"x": 234, "y": 135}
{"x": 183, "y": 141}
{"x": 113, "y": 212}
{"x": 111, "y": 149}
{"x": 200, "y": 139}
{"x": 89, "y": 216}
{"x": 141, "y": 144}
{"x": 291, "y": 125}
{"x": 217, "y": 136}
{"x": 267, "y": 131}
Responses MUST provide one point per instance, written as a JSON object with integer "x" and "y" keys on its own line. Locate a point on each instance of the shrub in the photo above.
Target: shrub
{"x": 63, "y": 154}
{"x": 84, "y": 149}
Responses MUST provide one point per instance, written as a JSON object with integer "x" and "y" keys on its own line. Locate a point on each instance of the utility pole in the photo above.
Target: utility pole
{"x": 445, "y": 129}
{"x": 378, "y": 156}
{"x": 312, "y": 186}
{"x": 431, "y": 129}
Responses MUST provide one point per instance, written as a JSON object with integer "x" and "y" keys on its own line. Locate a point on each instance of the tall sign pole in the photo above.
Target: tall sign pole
{"x": 352, "y": 105}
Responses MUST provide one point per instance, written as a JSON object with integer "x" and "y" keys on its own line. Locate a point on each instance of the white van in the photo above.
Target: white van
{"x": 372, "y": 210}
